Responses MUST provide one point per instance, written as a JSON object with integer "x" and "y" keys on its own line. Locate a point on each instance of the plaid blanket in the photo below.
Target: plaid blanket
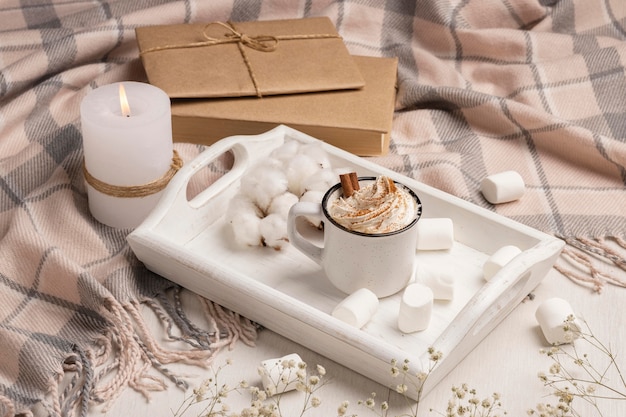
{"x": 535, "y": 86}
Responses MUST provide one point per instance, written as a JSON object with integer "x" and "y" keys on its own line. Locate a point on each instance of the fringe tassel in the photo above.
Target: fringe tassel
{"x": 237, "y": 327}
{"x": 124, "y": 356}
{"x": 7, "y": 406}
{"x": 594, "y": 262}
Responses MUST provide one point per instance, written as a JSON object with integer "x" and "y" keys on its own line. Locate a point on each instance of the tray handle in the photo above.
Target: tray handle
{"x": 494, "y": 301}
{"x": 246, "y": 150}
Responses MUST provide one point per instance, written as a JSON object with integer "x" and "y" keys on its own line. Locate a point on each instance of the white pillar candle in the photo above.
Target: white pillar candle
{"x": 125, "y": 150}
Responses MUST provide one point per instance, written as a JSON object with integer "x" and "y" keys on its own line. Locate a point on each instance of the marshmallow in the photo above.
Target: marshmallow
{"x": 551, "y": 316}
{"x": 357, "y": 308}
{"x": 500, "y": 258}
{"x": 439, "y": 279}
{"x": 280, "y": 375}
{"x": 434, "y": 234}
{"x": 416, "y": 308}
{"x": 503, "y": 187}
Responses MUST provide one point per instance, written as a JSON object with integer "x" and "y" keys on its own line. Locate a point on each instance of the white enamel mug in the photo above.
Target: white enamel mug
{"x": 381, "y": 262}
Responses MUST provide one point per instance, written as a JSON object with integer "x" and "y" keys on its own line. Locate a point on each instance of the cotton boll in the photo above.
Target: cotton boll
{"x": 244, "y": 217}
{"x": 281, "y": 204}
{"x": 263, "y": 182}
{"x": 286, "y": 151}
{"x": 246, "y": 229}
{"x": 240, "y": 204}
{"x": 317, "y": 153}
{"x": 321, "y": 180}
{"x": 273, "y": 229}
{"x": 298, "y": 169}
{"x": 313, "y": 196}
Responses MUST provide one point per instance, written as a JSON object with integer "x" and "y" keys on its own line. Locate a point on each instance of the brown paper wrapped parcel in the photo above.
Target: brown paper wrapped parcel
{"x": 260, "y": 58}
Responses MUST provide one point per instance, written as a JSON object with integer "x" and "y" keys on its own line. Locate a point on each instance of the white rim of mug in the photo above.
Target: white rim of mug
{"x": 335, "y": 187}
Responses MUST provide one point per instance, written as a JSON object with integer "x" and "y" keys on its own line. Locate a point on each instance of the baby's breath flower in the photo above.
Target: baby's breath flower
{"x": 401, "y": 388}
{"x": 555, "y": 368}
{"x": 314, "y": 380}
{"x": 435, "y": 356}
{"x": 343, "y": 408}
{"x": 269, "y": 391}
{"x": 321, "y": 370}
{"x": 316, "y": 401}
{"x": 262, "y": 395}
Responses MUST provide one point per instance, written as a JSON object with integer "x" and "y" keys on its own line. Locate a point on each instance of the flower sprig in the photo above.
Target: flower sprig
{"x": 466, "y": 402}
{"x": 572, "y": 374}
{"x": 266, "y": 402}
{"x": 211, "y": 394}
{"x": 409, "y": 382}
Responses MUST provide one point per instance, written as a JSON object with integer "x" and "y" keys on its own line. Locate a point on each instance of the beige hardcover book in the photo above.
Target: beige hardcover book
{"x": 358, "y": 121}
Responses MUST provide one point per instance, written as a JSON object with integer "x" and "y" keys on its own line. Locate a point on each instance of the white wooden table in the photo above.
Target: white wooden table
{"x": 507, "y": 362}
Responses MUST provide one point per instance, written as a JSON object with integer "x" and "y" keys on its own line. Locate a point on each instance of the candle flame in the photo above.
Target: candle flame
{"x": 124, "y": 102}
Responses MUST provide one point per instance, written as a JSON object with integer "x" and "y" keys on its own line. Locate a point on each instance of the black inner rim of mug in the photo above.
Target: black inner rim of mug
{"x": 333, "y": 221}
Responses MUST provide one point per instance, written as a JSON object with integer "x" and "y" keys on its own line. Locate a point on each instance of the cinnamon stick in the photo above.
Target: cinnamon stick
{"x": 355, "y": 181}
{"x": 349, "y": 183}
{"x": 346, "y": 185}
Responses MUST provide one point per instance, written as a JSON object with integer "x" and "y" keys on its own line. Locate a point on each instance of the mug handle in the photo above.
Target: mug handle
{"x": 304, "y": 208}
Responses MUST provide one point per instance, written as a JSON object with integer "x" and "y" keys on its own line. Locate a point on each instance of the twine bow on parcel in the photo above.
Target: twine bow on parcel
{"x": 261, "y": 43}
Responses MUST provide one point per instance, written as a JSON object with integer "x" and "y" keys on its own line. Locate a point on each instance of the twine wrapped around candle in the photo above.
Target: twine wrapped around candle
{"x": 261, "y": 43}
{"x": 132, "y": 191}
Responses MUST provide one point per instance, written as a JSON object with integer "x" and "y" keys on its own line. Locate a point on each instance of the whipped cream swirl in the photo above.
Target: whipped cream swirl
{"x": 379, "y": 207}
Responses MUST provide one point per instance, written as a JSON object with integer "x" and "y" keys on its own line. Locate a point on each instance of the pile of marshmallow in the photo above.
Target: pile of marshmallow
{"x": 293, "y": 172}
{"x": 430, "y": 283}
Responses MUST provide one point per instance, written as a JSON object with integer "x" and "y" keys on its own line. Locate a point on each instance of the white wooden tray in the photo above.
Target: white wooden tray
{"x": 189, "y": 243}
